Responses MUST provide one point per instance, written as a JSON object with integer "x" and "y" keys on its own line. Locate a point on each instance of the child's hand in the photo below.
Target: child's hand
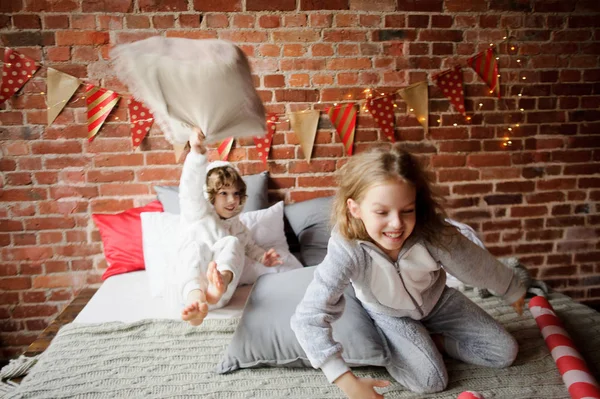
{"x": 271, "y": 258}
{"x": 197, "y": 141}
{"x": 519, "y": 305}
{"x": 360, "y": 388}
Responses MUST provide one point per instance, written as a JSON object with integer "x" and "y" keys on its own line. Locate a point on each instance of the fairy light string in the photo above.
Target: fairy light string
{"x": 373, "y": 94}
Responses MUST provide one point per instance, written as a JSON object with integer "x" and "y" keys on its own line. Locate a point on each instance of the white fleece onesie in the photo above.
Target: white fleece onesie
{"x": 204, "y": 236}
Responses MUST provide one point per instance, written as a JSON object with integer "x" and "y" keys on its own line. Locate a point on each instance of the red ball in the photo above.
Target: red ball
{"x": 470, "y": 395}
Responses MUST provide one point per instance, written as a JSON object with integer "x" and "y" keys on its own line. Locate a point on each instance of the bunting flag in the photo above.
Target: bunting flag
{"x": 61, "y": 87}
{"x": 263, "y": 144}
{"x": 417, "y": 99}
{"x": 451, "y": 83}
{"x": 99, "y": 104}
{"x": 343, "y": 118}
{"x": 224, "y": 148}
{"x": 304, "y": 124}
{"x": 17, "y": 70}
{"x": 486, "y": 66}
{"x": 141, "y": 121}
{"x": 179, "y": 148}
{"x": 382, "y": 109}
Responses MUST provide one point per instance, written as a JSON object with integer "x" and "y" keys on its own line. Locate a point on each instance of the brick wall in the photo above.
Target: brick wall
{"x": 536, "y": 198}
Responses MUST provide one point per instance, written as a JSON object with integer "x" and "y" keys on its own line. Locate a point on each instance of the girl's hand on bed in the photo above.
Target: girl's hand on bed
{"x": 519, "y": 305}
{"x": 360, "y": 388}
{"x": 271, "y": 258}
{"x": 197, "y": 141}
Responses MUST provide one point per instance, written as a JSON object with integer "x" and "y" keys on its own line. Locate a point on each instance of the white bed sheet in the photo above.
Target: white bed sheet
{"x": 126, "y": 298}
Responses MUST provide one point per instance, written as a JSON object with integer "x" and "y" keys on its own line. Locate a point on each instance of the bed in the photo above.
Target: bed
{"x": 128, "y": 343}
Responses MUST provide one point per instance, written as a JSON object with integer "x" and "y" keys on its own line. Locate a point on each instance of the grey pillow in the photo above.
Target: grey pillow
{"x": 264, "y": 337}
{"x": 310, "y": 222}
{"x": 256, "y": 191}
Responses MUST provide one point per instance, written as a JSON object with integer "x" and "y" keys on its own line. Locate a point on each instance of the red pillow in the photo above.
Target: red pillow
{"x": 122, "y": 238}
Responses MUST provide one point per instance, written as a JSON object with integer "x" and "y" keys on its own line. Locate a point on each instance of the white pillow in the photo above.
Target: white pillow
{"x": 266, "y": 228}
{"x": 160, "y": 241}
{"x": 160, "y": 238}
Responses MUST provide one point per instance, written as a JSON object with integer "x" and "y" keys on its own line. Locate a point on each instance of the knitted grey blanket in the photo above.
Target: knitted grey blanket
{"x": 169, "y": 359}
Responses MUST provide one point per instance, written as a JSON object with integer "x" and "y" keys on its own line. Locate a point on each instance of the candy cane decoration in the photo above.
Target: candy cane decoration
{"x": 571, "y": 365}
{"x": 470, "y": 395}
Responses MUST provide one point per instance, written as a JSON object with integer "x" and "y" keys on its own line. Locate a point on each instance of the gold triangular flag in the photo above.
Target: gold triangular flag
{"x": 304, "y": 124}
{"x": 418, "y": 102}
{"x": 61, "y": 87}
{"x": 179, "y": 149}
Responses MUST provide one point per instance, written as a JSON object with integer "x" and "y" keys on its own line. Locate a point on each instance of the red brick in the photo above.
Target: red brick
{"x": 269, "y": 21}
{"x": 270, "y": 5}
{"x": 486, "y": 160}
{"x": 23, "y": 311}
{"x": 420, "y": 5}
{"x": 164, "y": 21}
{"x": 56, "y": 21}
{"x": 15, "y": 283}
{"x": 70, "y": 38}
{"x": 313, "y": 5}
{"x": 157, "y": 174}
{"x": 348, "y": 63}
{"x": 515, "y": 187}
{"x": 470, "y": 189}
{"x": 292, "y": 36}
{"x": 217, "y": 5}
{"x": 190, "y": 20}
{"x": 27, "y": 21}
{"x": 107, "y": 6}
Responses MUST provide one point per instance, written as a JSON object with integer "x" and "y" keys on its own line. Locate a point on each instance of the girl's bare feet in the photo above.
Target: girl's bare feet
{"x": 194, "y": 312}
{"x": 216, "y": 285}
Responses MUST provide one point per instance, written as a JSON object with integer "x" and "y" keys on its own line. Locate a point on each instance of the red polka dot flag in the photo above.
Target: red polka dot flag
{"x": 263, "y": 144}
{"x": 343, "y": 118}
{"x": 141, "y": 121}
{"x": 99, "y": 104}
{"x": 17, "y": 70}
{"x": 486, "y": 66}
{"x": 451, "y": 83}
{"x": 382, "y": 109}
{"x": 224, "y": 148}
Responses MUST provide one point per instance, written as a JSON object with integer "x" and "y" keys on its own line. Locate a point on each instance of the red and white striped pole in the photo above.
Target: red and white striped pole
{"x": 470, "y": 395}
{"x": 571, "y": 365}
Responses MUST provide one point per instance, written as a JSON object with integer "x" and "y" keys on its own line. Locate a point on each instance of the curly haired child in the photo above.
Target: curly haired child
{"x": 214, "y": 241}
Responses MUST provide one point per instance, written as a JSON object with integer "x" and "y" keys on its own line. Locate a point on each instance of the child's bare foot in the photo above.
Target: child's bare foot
{"x": 194, "y": 313}
{"x": 216, "y": 285}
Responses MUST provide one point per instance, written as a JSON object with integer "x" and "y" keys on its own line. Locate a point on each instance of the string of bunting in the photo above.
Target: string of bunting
{"x": 18, "y": 69}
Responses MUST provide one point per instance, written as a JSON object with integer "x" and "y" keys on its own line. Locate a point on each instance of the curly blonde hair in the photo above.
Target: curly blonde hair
{"x": 378, "y": 166}
{"x": 224, "y": 176}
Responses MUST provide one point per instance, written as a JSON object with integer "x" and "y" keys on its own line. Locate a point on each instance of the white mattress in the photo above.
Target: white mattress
{"x": 126, "y": 297}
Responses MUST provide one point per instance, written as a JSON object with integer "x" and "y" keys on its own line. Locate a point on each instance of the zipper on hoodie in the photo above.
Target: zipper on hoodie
{"x": 397, "y": 267}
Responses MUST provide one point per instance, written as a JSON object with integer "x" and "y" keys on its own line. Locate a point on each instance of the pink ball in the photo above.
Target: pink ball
{"x": 470, "y": 395}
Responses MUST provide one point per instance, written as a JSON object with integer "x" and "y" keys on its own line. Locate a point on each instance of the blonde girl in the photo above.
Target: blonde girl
{"x": 389, "y": 242}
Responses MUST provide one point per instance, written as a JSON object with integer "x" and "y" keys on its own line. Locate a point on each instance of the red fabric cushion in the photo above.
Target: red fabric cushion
{"x": 122, "y": 238}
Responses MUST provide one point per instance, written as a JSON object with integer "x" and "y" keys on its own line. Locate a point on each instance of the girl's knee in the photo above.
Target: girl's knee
{"x": 429, "y": 378}
{"x": 504, "y": 353}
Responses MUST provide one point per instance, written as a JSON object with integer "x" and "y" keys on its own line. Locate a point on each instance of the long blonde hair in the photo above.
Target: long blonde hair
{"x": 378, "y": 166}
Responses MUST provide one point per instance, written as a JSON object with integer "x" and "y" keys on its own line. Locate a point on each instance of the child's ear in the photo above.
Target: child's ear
{"x": 353, "y": 207}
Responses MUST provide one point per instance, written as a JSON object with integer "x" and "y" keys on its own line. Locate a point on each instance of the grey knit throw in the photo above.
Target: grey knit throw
{"x": 169, "y": 359}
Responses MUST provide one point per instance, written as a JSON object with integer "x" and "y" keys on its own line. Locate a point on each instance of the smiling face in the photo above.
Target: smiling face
{"x": 227, "y": 202}
{"x": 388, "y": 214}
